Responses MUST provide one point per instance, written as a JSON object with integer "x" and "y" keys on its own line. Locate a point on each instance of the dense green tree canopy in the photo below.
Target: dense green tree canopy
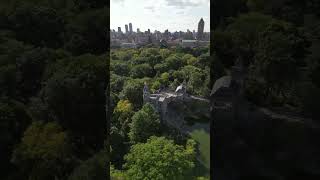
{"x": 44, "y": 151}
{"x": 160, "y": 69}
{"x": 132, "y": 91}
{"x": 121, "y": 116}
{"x": 141, "y": 70}
{"x": 159, "y": 158}
{"x": 75, "y": 95}
{"x": 286, "y": 47}
{"x": 47, "y": 75}
{"x": 13, "y": 121}
{"x": 92, "y": 169}
{"x": 145, "y": 123}
{"x": 46, "y": 22}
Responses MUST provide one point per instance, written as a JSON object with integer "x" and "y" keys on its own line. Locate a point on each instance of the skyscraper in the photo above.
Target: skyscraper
{"x": 138, "y": 30}
{"x": 200, "y": 29}
{"x": 130, "y": 27}
{"x": 126, "y": 26}
{"x": 119, "y": 29}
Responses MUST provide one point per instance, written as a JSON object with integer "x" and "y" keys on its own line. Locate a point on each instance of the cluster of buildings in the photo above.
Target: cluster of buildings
{"x": 131, "y": 39}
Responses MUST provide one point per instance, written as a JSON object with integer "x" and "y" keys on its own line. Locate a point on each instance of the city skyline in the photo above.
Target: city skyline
{"x": 158, "y": 15}
{"x": 128, "y": 28}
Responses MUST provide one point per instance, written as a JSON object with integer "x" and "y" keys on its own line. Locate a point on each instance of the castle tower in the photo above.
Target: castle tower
{"x": 146, "y": 93}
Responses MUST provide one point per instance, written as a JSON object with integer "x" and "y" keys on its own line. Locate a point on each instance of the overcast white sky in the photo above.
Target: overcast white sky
{"x": 175, "y": 15}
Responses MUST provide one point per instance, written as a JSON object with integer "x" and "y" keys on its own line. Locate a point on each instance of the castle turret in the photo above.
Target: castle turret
{"x": 146, "y": 93}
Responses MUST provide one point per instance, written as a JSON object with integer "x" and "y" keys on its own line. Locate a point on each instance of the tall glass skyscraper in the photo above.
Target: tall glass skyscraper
{"x": 200, "y": 29}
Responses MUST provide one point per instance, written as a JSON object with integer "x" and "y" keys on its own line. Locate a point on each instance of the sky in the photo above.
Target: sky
{"x": 174, "y": 15}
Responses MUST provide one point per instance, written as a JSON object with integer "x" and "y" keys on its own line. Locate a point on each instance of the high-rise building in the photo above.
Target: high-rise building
{"x": 126, "y": 26}
{"x": 200, "y": 29}
{"x": 138, "y": 30}
{"x": 130, "y": 27}
{"x": 149, "y": 31}
{"x": 119, "y": 29}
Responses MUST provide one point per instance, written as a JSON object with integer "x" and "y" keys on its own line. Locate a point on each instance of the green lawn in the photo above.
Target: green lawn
{"x": 203, "y": 138}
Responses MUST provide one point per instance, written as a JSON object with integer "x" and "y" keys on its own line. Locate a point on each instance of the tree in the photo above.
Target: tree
{"x": 155, "y": 60}
{"x": 261, "y": 5}
{"x": 122, "y": 116}
{"x": 164, "y": 78}
{"x": 113, "y": 99}
{"x": 203, "y": 61}
{"x": 133, "y": 91}
{"x": 244, "y": 32}
{"x": 76, "y": 44}
{"x": 164, "y": 53}
{"x": 255, "y": 90}
{"x": 196, "y": 79}
{"x": 281, "y": 51}
{"x": 31, "y": 66}
{"x": 179, "y": 76}
{"x": 189, "y": 59}
{"x": 145, "y": 123}
{"x": 226, "y": 9}
{"x": 92, "y": 34}
{"x": 86, "y": 4}
{"x": 136, "y": 60}
{"x": 14, "y": 119}
{"x": 119, "y": 148}
{"x": 159, "y": 159}
{"x": 125, "y": 55}
{"x": 120, "y": 68}
{"x": 75, "y": 94}
{"x": 41, "y": 81}
{"x": 116, "y": 82}
{"x": 123, "y": 107}
{"x": 11, "y": 50}
{"x": 28, "y": 20}
{"x": 289, "y": 10}
{"x": 141, "y": 70}
{"x": 116, "y": 174}
{"x": 161, "y": 68}
{"x": 155, "y": 86}
{"x": 174, "y": 62}
{"x": 8, "y": 80}
{"x": 202, "y": 178}
{"x": 44, "y": 151}
{"x": 223, "y": 47}
{"x": 147, "y": 52}
{"x": 92, "y": 169}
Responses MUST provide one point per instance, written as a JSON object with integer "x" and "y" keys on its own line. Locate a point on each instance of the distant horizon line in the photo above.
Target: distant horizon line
{"x": 123, "y": 26}
{"x": 116, "y": 29}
